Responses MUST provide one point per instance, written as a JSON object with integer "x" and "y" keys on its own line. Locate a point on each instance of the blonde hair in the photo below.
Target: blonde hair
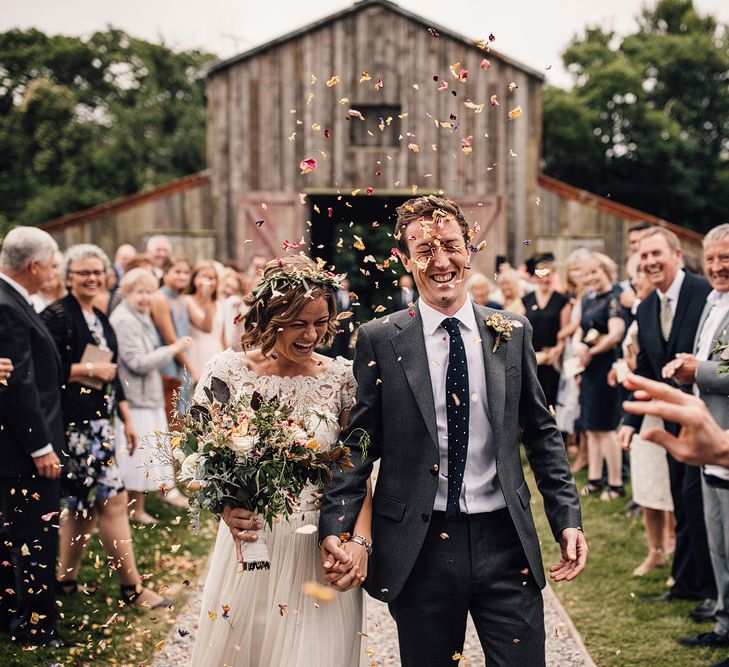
{"x": 609, "y": 267}
{"x": 270, "y": 311}
{"x": 512, "y": 275}
{"x": 135, "y": 277}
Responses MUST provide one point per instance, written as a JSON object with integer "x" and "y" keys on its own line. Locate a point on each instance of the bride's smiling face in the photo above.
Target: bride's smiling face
{"x": 299, "y": 339}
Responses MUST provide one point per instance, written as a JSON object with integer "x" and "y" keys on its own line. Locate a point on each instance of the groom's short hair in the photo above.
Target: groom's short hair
{"x": 425, "y": 207}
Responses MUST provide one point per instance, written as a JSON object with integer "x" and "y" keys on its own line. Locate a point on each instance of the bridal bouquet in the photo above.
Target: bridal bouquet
{"x": 253, "y": 454}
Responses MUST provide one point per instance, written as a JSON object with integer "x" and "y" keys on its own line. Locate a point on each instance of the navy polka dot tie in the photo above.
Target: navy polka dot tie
{"x": 457, "y": 408}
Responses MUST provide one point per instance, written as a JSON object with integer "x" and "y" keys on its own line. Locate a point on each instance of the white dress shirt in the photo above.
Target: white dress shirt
{"x": 26, "y": 295}
{"x": 705, "y": 343}
{"x": 673, "y": 292}
{"x": 481, "y": 491}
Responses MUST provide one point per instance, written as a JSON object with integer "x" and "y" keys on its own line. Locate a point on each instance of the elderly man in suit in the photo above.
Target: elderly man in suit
{"x": 446, "y": 393}
{"x": 667, "y": 323}
{"x": 31, "y": 441}
{"x": 701, "y": 371}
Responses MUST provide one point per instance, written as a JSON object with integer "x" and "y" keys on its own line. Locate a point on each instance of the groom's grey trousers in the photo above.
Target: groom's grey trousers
{"x": 474, "y": 563}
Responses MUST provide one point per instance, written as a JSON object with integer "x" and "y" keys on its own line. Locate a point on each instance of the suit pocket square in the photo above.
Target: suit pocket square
{"x": 390, "y": 508}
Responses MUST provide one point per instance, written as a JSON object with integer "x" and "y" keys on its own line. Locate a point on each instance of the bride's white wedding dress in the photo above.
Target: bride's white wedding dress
{"x": 270, "y": 622}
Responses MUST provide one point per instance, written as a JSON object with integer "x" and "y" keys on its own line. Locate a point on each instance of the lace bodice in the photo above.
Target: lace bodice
{"x": 330, "y": 392}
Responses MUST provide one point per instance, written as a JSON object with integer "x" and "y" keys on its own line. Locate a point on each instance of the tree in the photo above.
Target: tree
{"x": 646, "y": 121}
{"x": 84, "y": 121}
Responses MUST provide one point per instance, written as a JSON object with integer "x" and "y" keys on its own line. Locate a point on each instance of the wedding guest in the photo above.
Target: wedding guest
{"x": 104, "y": 297}
{"x": 92, "y": 487}
{"x": 159, "y": 251}
{"x": 405, "y": 294}
{"x": 509, "y": 283}
{"x": 342, "y": 345}
{"x": 568, "y": 394}
{"x": 649, "y": 476}
{"x": 702, "y": 370}
{"x": 256, "y": 265}
{"x": 480, "y": 288}
{"x": 233, "y": 288}
{"x": 547, "y": 311}
{"x": 204, "y": 308}
{"x": 602, "y": 329}
{"x": 635, "y": 234}
{"x": 53, "y": 287}
{"x": 172, "y": 319}
{"x": 32, "y": 443}
{"x": 125, "y": 253}
{"x": 231, "y": 284}
{"x": 141, "y": 355}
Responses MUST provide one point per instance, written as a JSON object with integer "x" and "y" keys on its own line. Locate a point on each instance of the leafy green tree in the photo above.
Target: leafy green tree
{"x": 646, "y": 121}
{"x": 84, "y": 121}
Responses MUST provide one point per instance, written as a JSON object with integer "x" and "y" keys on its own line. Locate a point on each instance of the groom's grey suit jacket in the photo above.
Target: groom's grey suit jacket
{"x": 713, "y": 387}
{"x": 395, "y": 407}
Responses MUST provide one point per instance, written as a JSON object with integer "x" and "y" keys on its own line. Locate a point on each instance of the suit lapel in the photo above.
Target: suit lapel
{"x": 409, "y": 346}
{"x": 495, "y": 365}
{"x": 704, "y": 315}
{"x": 684, "y": 298}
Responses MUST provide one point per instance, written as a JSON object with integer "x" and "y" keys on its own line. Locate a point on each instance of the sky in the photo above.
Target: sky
{"x": 533, "y": 32}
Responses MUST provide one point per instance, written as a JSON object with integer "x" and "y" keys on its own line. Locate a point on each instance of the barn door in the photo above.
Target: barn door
{"x": 489, "y": 213}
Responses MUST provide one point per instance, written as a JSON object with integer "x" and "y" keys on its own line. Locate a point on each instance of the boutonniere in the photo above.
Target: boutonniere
{"x": 722, "y": 349}
{"x": 502, "y": 327}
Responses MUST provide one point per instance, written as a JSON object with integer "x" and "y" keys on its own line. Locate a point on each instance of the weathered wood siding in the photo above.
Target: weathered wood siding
{"x": 255, "y": 103}
{"x": 180, "y": 209}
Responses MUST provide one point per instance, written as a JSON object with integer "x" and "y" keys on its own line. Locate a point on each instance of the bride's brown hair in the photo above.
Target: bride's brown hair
{"x": 279, "y": 298}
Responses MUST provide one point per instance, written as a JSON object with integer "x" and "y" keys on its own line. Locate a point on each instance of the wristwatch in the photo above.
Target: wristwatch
{"x": 358, "y": 539}
{"x": 89, "y": 368}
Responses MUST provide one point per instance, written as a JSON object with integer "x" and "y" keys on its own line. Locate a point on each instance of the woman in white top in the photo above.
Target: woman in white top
{"x": 203, "y": 288}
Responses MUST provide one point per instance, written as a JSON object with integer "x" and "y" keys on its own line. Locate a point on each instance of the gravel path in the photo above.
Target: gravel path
{"x": 564, "y": 646}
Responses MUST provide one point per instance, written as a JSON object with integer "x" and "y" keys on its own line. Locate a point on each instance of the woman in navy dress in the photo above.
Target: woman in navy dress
{"x": 602, "y": 331}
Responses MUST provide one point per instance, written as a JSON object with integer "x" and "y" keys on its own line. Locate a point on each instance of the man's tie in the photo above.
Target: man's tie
{"x": 666, "y": 317}
{"x": 457, "y": 408}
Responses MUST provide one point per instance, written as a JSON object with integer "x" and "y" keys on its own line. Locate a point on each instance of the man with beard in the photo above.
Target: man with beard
{"x": 667, "y": 323}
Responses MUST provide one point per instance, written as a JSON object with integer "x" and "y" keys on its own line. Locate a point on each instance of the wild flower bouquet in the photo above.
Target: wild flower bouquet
{"x": 254, "y": 454}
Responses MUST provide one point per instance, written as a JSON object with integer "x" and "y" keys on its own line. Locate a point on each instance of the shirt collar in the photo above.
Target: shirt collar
{"x": 432, "y": 317}
{"x": 17, "y": 287}
{"x": 675, "y": 289}
{"x": 718, "y": 298}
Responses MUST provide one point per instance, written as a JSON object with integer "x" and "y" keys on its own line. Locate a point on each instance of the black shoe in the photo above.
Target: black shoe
{"x": 668, "y": 596}
{"x": 704, "y": 612}
{"x": 706, "y": 639}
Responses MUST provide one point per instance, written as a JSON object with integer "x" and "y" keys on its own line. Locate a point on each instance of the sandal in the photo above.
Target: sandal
{"x": 128, "y": 593}
{"x": 142, "y": 518}
{"x": 66, "y": 587}
{"x": 612, "y": 493}
{"x": 592, "y": 487}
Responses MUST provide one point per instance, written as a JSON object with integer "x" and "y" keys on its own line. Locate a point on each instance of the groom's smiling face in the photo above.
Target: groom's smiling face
{"x": 438, "y": 261}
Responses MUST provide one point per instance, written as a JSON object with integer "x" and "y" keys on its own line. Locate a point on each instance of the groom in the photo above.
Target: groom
{"x": 446, "y": 392}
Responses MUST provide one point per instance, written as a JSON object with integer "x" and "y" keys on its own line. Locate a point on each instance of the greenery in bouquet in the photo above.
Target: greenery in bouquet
{"x": 244, "y": 451}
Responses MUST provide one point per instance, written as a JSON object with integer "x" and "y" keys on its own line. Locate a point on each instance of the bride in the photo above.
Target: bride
{"x": 261, "y": 617}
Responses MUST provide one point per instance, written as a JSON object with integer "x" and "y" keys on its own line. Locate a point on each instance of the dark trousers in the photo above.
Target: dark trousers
{"x": 28, "y": 546}
{"x": 691, "y": 563}
{"x": 475, "y": 564}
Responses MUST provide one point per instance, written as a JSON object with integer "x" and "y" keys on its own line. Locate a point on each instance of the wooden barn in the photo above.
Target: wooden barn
{"x": 387, "y": 103}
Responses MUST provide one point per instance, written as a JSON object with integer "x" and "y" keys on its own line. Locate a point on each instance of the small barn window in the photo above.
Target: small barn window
{"x": 380, "y": 127}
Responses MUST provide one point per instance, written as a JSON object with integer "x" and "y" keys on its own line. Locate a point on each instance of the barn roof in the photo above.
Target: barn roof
{"x": 358, "y": 7}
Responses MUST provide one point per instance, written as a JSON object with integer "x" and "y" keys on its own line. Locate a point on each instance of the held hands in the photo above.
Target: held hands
{"x": 682, "y": 369}
{"x": 573, "y": 544}
{"x": 342, "y": 563}
{"x": 48, "y": 465}
{"x": 242, "y": 524}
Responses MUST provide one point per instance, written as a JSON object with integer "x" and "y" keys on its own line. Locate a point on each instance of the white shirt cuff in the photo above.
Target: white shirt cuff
{"x": 42, "y": 451}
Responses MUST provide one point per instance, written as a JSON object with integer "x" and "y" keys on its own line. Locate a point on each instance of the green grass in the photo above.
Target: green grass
{"x": 617, "y": 626}
{"x": 107, "y": 632}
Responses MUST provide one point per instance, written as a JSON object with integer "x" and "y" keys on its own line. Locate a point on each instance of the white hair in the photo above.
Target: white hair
{"x": 81, "y": 251}
{"x": 137, "y": 276}
{"x": 158, "y": 238}
{"x": 718, "y": 233}
{"x": 22, "y": 244}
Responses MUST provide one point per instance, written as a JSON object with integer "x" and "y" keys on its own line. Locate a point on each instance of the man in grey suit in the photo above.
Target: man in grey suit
{"x": 446, "y": 392}
{"x": 701, "y": 369}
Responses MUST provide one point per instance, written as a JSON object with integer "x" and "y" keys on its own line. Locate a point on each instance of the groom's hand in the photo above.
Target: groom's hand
{"x": 573, "y": 544}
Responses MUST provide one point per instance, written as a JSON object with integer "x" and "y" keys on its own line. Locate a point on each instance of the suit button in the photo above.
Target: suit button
{"x": 425, "y": 517}
{"x": 434, "y": 470}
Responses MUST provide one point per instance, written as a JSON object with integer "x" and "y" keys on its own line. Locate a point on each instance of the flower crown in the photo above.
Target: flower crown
{"x": 281, "y": 281}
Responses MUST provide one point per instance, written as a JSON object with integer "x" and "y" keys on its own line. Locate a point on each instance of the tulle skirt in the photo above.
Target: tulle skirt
{"x": 148, "y": 468}
{"x": 270, "y": 622}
